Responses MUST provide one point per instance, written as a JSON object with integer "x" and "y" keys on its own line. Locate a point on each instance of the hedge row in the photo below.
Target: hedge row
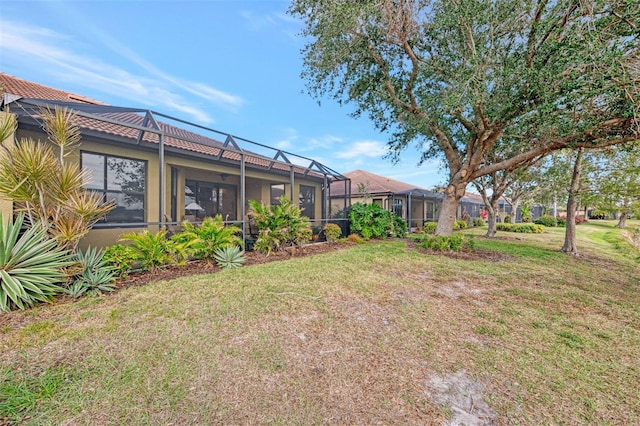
{"x": 523, "y": 228}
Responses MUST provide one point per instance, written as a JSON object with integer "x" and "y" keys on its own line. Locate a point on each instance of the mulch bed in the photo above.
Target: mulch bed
{"x": 207, "y": 267}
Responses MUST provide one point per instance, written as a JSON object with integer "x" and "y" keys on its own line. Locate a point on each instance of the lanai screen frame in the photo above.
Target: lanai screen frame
{"x": 28, "y": 110}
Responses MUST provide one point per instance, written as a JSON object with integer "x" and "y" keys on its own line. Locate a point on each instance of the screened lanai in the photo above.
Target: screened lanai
{"x": 162, "y": 170}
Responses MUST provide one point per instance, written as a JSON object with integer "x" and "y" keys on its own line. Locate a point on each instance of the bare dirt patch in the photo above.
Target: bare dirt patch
{"x": 462, "y": 396}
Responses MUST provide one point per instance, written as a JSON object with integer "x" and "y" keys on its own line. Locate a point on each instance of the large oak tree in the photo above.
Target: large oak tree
{"x": 455, "y": 77}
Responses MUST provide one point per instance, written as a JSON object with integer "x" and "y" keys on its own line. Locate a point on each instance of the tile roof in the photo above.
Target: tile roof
{"x": 380, "y": 185}
{"x": 28, "y": 89}
{"x": 175, "y": 137}
{"x": 374, "y": 184}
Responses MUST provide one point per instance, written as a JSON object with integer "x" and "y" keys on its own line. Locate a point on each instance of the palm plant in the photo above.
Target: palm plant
{"x": 209, "y": 236}
{"x": 153, "y": 251}
{"x": 30, "y": 265}
{"x": 279, "y": 226}
{"x": 44, "y": 185}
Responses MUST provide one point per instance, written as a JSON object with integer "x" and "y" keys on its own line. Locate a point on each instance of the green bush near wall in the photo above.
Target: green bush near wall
{"x": 430, "y": 227}
{"x": 372, "y": 221}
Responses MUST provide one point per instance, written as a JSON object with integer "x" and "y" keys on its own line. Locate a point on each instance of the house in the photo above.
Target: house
{"x": 414, "y": 204}
{"x": 161, "y": 170}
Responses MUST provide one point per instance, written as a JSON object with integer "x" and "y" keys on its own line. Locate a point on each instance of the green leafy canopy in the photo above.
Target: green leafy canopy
{"x": 463, "y": 79}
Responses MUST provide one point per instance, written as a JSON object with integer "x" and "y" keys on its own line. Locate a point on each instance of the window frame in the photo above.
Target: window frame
{"x": 105, "y": 191}
{"x": 218, "y": 187}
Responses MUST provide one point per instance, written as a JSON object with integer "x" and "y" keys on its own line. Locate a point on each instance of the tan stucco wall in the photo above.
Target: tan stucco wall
{"x": 6, "y": 206}
{"x": 109, "y": 236}
{"x": 257, "y": 184}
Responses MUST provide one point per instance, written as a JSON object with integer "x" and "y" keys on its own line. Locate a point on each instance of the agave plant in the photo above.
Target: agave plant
{"x": 96, "y": 275}
{"x": 31, "y": 265}
{"x": 229, "y": 257}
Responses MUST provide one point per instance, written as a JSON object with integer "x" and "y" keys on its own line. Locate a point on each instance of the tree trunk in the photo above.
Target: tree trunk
{"x": 570, "y": 246}
{"x": 622, "y": 222}
{"x": 450, "y": 203}
{"x": 514, "y": 210}
{"x": 491, "y": 219}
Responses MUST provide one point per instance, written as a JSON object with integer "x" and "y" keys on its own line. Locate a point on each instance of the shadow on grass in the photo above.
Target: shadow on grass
{"x": 519, "y": 248}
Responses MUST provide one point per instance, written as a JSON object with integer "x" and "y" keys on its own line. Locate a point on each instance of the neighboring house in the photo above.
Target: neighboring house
{"x": 506, "y": 209}
{"x": 470, "y": 206}
{"x": 415, "y": 205}
{"x": 160, "y": 174}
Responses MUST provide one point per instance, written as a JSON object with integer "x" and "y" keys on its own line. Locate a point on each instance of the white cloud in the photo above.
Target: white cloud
{"x": 259, "y": 22}
{"x": 323, "y": 142}
{"x": 288, "y": 140}
{"x": 23, "y": 43}
{"x": 283, "y": 144}
{"x": 281, "y": 21}
{"x": 363, "y": 149}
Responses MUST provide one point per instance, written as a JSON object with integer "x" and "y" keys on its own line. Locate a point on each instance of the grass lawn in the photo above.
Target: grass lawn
{"x": 377, "y": 333}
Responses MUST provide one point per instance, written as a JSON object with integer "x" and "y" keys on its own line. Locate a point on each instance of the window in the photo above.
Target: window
{"x": 277, "y": 191}
{"x": 122, "y": 180}
{"x": 398, "y": 207}
{"x": 308, "y": 201}
{"x": 211, "y": 199}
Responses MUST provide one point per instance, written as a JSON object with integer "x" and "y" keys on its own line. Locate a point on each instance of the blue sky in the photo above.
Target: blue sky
{"x": 231, "y": 65}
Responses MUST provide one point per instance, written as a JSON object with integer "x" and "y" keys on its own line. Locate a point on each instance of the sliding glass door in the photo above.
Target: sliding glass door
{"x": 203, "y": 199}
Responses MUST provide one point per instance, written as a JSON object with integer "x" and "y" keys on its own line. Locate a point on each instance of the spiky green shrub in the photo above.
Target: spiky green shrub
{"x": 430, "y": 227}
{"x": 229, "y": 257}
{"x": 96, "y": 274}
{"x": 279, "y": 226}
{"x": 153, "y": 251}
{"x": 210, "y": 235}
{"x": 332, "y": 231}
{"x": 507, "y": 219}
{"x": 454, "y": 242}
{"x": 30, "y": 265}
{"x": 121, "y": 258}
